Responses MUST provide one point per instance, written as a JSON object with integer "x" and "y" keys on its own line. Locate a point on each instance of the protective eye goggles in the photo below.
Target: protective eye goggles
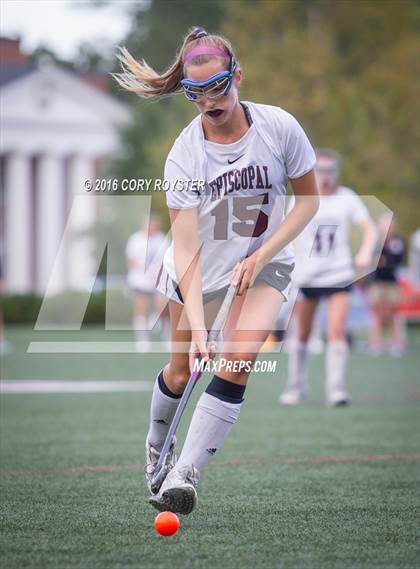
{"x": 216, "y": 86}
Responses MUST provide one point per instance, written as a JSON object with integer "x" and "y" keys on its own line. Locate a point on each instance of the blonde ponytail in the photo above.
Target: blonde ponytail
{"x": 138, "y": 77}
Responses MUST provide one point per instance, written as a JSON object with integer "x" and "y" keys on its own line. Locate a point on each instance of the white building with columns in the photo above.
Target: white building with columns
{"x": 55, "y": 128}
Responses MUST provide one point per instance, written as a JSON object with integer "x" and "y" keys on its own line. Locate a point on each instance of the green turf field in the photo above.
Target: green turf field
{"x": 305, "y": 487}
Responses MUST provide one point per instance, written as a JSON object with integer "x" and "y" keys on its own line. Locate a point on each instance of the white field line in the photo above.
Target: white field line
{"x": 58, "y": 386}
{"x": 75, "y": 347}
{"x": 114, "y": 347}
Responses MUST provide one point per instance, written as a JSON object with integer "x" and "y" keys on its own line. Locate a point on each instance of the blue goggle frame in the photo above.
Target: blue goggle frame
{"x": 223, "y": 80}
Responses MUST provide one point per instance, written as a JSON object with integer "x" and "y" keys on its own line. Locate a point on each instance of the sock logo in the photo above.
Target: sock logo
{"x": 211, "y": 450}
{"x": 160, "y": 421}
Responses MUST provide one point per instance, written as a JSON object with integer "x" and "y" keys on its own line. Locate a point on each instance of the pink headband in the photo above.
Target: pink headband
{"x": 205, "y": 50}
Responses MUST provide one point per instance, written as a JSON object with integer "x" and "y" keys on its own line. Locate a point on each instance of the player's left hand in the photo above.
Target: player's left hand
{"x": 245, "y": 273}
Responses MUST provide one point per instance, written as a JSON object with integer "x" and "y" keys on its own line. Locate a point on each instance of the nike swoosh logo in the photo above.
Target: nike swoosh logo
{"x": 236, "y": 159}
{"x": 278, "y": 274}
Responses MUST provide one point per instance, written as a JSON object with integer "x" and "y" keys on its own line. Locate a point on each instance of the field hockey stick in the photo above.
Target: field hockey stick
{"x": 218, "y": 325}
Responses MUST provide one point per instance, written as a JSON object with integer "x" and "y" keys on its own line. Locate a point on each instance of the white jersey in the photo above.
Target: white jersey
{"x": 243, "y": 200}
{"x": 323, "y": 253}
{"x": 146, "y": 252}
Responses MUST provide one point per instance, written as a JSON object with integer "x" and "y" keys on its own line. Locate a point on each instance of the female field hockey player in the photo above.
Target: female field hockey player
{"x": 325, "y": 270}
{"x": 233, "y": 228}
{"x": 384, "y": 292}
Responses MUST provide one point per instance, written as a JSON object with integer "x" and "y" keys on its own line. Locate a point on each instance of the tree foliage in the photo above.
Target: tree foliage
{"x": 348, "y": 70}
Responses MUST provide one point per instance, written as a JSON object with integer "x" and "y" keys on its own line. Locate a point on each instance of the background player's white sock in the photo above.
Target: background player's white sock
{"x": 335, "y": 369}
{"x": 162, "y": 409}
{"x": 211, "y": 422}
{"x": 139, "y": 324}
{"x": 297, "y": 378}
{"x": 140, "y": 328}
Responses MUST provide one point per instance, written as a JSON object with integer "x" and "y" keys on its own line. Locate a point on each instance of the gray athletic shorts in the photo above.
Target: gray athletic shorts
{"x": 277, "y": 275}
